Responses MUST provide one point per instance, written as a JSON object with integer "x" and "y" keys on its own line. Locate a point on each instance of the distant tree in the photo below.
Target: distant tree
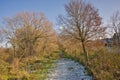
{"x": 82, "y": 23}
{"x": 115, "y": 25}
{"x": 1, "y": 37}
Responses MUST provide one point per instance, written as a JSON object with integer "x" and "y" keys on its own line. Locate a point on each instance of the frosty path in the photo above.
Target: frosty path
{"x": 67, "y": 69}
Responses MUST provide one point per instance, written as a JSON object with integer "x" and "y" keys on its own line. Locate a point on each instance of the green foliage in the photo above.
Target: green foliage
{"x": 41, "y": 69}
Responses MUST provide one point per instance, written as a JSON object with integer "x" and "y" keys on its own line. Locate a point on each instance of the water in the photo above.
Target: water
{"x": 67, "y": 69}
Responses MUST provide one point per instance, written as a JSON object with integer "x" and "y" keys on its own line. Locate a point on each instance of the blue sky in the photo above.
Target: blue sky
{"x": 52, "y": 8}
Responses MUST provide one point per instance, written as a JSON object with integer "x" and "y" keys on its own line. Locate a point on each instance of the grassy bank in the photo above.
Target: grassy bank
{"x": 103, "y": 65}
{"x": 28, "y": 68}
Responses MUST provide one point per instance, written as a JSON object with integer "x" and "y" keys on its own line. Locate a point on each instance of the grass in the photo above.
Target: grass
{"x": 103, "y": 65}
{"x": 41, "y": 73}
{"x": 30, "y": 68}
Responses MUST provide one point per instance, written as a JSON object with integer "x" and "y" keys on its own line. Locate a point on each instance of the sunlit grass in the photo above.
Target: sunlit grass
{"x": 41, "y": 73}
{"x": 103, "y": 65}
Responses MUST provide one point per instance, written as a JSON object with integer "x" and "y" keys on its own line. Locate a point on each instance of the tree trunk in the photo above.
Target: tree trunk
{"x": 14, "y": 53}
{"x": 84, "y": 51}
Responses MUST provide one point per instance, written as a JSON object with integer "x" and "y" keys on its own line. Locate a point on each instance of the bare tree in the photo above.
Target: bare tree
{"x": 1, "y": 38}
{"x": 82, "y": 23}
{"x": 115, "y": 25}
{"x": 25, "y": 30}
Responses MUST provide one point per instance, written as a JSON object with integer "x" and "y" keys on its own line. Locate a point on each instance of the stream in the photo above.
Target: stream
{"x": 67, "y": 69}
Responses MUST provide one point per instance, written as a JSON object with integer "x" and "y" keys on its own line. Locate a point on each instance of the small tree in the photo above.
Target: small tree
{"x": 115, "y": 25}
{"x": 82, "y": 23}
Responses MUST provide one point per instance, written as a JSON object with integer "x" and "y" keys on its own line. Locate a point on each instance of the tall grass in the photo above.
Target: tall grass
{"x": 30, "y": 68}
{"x": 103, "y": 64}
